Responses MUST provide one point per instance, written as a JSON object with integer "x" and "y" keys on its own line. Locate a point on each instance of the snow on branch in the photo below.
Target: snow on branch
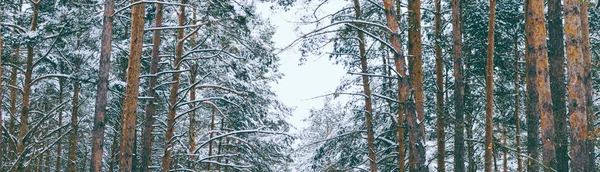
{"x": 156, "y": 2}
{"x": 221, "y": 88}
{"x": 309, "y": 34}
{"x": 19, "y": 28}
{"x": 164, "y": 72}
{"x": 37, "y": 125}
{"x": 331, "y": 138}
{"x": 234, "y": 133}
{"x": 50, "y": 76}
{"x": 336, "y": 94}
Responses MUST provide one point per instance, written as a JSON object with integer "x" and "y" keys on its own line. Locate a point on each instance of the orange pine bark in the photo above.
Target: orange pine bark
{"x": 367, "y": 92}
{"x": 130, "y": 102}
{"x": 72, "y": 165}
{"x": 102, "y": 87}
{"x": 459, "y": 138}
{"x": 588, "y": 81}
{"x": 489, "y": 89}
{"x": 576, "y": 88}
{"x": 439, "y": 67}
{"x": 166, "y": 159}
{"x": 537, "y": 52}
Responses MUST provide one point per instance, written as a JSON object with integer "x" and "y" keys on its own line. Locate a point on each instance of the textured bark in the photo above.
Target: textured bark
{"x": 212, "y": 128}
{"x": 403, "y": 83}
{"x": 576, "y": 87}
{"x": 489, "y": 89}
{"x": 166, "y": 159}
{"x": 151, "y": 104}
{"x": 459, "y": 138}
{"x": 72, "y": 165}
{"x": 439, "y": 94}
{"x": 517, "y": 106}
{"x": 23, "y": 127}
{"x": 2, "y": 129}
{"x": 193, "y": 121}
{"x": 532, "y": 119}
{"x": 130, "y": 102}
{"x": 540, "y": 83}
{"x": 58, "y": 165}
{"x": 367, "y": 92}
{"x": 504, "y": 152}
{"x": 556, "y": 57}
{"x": 587, "y": 81}
{"x": 192, "y": 128}
{"x": 102, "y": 87}
{"x": 416, "y": 126}
{"x": 113, "y": 153}
{"x": 13, "y": 94}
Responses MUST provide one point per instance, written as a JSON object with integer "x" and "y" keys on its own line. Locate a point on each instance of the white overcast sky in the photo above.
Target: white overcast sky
{"x": 318, "y": 76}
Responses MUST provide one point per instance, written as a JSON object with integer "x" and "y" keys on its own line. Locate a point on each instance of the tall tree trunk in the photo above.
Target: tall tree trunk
{"x": 13, "y": 94}
{"x": 130, "y": 102}
{"x": 576, "y": 87}
{"x": 212, "y": 128}
{"x": 166, "y": 159}
{"x": 112, "y": 163}
{"x": 416, "y": 121}
{"x": 102, "y": 87}
{"x": 75, "y": 127}
{"x": 2, "y": 129}
{"x": 540, "y": 83}
{"x": 587, "y": 81}
{"x": 26, "y": 91}
{"x": 403, "y": 82}
{"x": 61, "y": 82}
{"x": 459, "y": 138}
{"x": 439, "y": 94}
{"x": 504, "y": 152}
{"x": 556, "y": 56}
{"x": 367, "y": 92}
{"x": 517, "y": 106}
{"x": 151, "y": 103}
{"x": 193, "y": 122}
{"x": 532, "y": 118}
{"x": 489, "y": 89}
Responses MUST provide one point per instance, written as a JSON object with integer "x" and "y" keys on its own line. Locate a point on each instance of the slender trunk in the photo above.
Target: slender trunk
{"x": 13, "y": 94}
{"x": 220, "y": 146}
{"x": 23, "y": 127}
{"x": 212, "y": 128}
{"x": 2, "y": 129}
{"x": 401, "y": 122}
{"x": 587, "y": 81}
{"x": 151, "y": 104}
{"x": 113, "y": 153}
{"x": 102, "y": 87}
{"x": 166, "y": 159}
{"x": 517, "y": 106}
{"x": 403, "y": 83}
{"x": 415, "y": 52}
{"x": 439, "y": 94}
{"x": 367, "y": 92}
{"x": 540, "y": 83}
{"x": 459, "y": 138}
{"x": 193, "y": 123}
{"x": 576, "y": 87}
{"x": 556, "y": 57}
{"x": 489, "y": 90}
{"x": 130, "y": 102}
{"x": 532, "y": 118}
{"x": 59, "y": 111}
{"x": 75, "y": 127}
{"x": 504, "y": 152}
{"x": 192, "y": 128}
